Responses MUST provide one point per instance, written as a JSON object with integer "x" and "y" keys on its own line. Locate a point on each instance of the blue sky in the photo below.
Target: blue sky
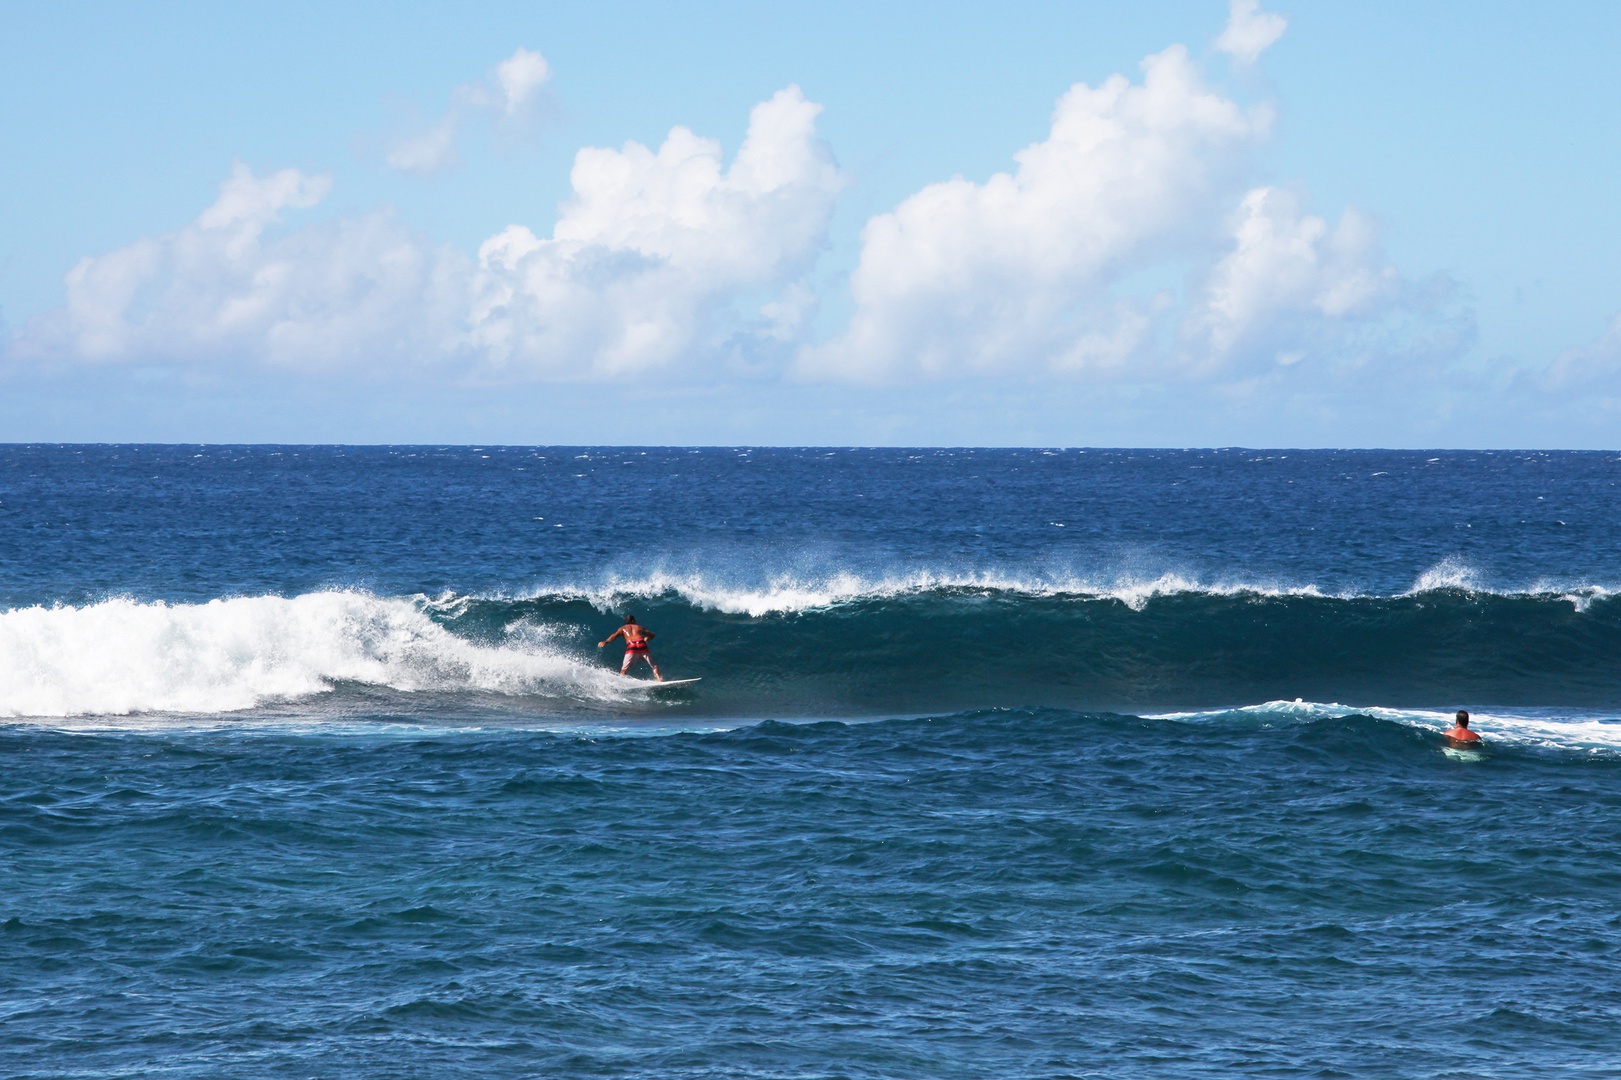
{"x": 1187, "y": 223}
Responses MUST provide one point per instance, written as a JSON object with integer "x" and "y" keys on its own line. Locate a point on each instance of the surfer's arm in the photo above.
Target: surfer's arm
{"x": 610, "y": 637}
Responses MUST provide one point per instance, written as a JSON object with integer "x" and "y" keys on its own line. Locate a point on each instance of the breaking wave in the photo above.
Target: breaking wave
{"x": 834, "y": 645}
{"x": 122, "y": 656}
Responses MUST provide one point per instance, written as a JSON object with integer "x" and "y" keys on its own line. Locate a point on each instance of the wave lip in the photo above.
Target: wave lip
{"x": 797, "y": 592}
{"x": 123, "y": 656}
{"x": 1454, "y": 575}
{"x": 1450, "y": 574}
{"x": 791, "y": 594}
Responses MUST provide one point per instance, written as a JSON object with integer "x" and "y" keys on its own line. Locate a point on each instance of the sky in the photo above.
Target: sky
{"x": 1185, "y": 223}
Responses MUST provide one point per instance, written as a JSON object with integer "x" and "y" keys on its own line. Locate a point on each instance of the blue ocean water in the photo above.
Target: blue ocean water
{"x": 1010, "y": 763}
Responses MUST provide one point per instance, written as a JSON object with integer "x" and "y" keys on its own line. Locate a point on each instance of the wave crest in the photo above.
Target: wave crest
{"x": 796, "y": 592}
{"x": 788, "y": 594}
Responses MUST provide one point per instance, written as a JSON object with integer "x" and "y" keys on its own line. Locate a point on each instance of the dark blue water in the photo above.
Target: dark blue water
{"x": 194, "y": 523}
{"x": 1004, "y": 763}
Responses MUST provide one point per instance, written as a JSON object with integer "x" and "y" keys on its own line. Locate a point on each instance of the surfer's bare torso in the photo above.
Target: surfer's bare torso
{"x": 637, "y": 639}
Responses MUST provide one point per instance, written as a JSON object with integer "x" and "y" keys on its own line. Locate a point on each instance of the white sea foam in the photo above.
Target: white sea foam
{"x": 1565, "y": 730}
{"x": 123, "y": 656}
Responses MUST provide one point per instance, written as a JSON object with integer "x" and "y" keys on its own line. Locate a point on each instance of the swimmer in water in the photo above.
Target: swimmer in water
{"x": 1460, "y": 735}
{"x": 636, "y": 638}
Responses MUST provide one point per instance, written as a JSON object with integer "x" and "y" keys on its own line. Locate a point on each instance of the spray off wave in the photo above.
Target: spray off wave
{"x": 791, "y": 593}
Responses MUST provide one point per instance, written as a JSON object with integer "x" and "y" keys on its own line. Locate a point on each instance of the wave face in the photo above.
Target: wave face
{"x": 836, "y": 648}
{"x": 919, "y": 647}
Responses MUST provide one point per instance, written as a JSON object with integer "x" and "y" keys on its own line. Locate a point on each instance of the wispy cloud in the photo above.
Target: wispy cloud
{"x": 430, "y": 151}
{"x": 1595, "y": 363}
{"x": 521, "y": 77}
{"x": 511, "y": 91}
{"x": 1250, "y": 31}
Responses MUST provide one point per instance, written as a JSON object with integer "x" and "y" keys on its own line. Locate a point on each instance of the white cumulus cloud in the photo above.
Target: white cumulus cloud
{"x": 520, "y": 77}
{"x": 658, "y": 256}
{"x": 653, "y": 245}
{"x": 1287, "y": 265}
{"x": 220, "y": 290}
{"x": 964, "y": 277}
{"x": 1068, "y": 264}
{"x": 1250, "y": 31}
{"x": 1132, "y": 244}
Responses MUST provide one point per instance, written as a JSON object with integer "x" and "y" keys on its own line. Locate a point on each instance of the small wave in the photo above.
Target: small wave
{"x": 1579, "y": 596}
{"x": 124, "y": 656}
{"x": 1539, "y": 728}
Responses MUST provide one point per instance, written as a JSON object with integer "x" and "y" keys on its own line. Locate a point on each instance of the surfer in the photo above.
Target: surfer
{"x": 1461, "y": 733}
{"x": 636, "y": 638}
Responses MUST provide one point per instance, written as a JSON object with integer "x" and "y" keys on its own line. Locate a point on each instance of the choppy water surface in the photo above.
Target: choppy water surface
{"x": 1095, "y": 764}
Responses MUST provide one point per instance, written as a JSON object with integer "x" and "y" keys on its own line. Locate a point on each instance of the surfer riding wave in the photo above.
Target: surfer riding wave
{"x": 636, "y": 638}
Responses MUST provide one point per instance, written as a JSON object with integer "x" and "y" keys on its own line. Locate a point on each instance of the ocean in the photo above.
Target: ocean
{"x": 1003, "y": 763}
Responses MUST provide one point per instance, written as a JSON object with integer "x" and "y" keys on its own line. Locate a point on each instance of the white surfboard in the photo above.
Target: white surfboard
{"x": 654, "y": 684}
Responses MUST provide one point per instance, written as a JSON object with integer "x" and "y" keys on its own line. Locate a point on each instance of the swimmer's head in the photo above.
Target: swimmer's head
{"x": 1463, "y": 718}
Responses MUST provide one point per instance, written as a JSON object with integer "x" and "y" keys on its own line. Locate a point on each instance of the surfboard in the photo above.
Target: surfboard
{"x": 654, "y": 684}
